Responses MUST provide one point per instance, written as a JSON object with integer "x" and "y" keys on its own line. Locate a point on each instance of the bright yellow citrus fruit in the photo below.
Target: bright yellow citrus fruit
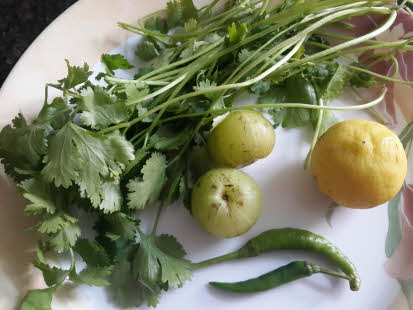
{"x": 359, "y": 164}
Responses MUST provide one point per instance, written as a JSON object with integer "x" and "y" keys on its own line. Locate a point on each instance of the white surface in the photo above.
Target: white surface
{"x": 291, "y": 199}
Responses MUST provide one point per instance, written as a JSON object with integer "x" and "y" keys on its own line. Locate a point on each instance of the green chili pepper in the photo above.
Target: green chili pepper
{"x": 292, "y": 239}
{"x": 285, "y": 274}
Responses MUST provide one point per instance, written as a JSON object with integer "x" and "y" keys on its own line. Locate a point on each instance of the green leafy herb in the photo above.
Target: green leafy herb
{"x": 146, "y": 190}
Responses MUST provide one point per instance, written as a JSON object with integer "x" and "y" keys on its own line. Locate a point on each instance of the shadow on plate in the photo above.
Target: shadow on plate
{"x": 17, "y": 246}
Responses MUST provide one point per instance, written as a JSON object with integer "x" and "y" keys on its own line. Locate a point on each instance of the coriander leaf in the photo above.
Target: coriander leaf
{"x": 168, "y": 139}
{"x": 146, "y": 190}
{"x": 134, "y": 93}
{"x": 52, "y": 275}
{"x": 143, "y": 71}
{"x": 87, "y": 159}
{"x": 237, "y": 32}
{"x": 207, "y": 84}
{"x": 142, "y": 111}
{"x": 148, "y": 49}
{"x": 75, "y": 75}
{"x": 169, "y": 245}
{"x": 122, "y": 225}
{"x": 92, "y": 253}
{"x": 278, "y": 116}
{"x": 125, "y": 288}
{"x": 114, "y": 62}
{"x": 40, "y": 196}
{"x": 112, "y": 199}
{"x": 100, "y": 110}
{"x": 93, "y": 276}
{"x": 329, "y": 119}
{"x": 260, "y": 87}
{"x": 297, "y": 89}
{"x": 152, "y": 264}
{"x": 363, "y": 80}
{"x": 65, "y": 238}
{"x": 22, "y": 147}
{"x": 38, "y": 299}
{"x": 180, "y": 11}
{"x": 55, "y": 223}
{"x": 191, "y": 25}
{"x": 192, "y": 49}
{"x": 157, "y": 24}
{"x": 163, "y": 59}
{"x": 200, "y": 162}
{"x": 336, "y": 84}
{"x": 129, "y": 292}
{"x": 53, "y": 116}
{"x": 243, "y": 55}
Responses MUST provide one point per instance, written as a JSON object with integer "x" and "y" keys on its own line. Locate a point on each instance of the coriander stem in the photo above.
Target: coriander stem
{"x": 379, "y": 116}
{"x": 160, "y": 91}
{"x": 316, "y": 134}
{"x": 137, "y": 83}
{"x": 380, "y": 76}
{"x": 370, "y": 35}
{"x": 158, "y": 215}
{"x": 183, "y": 61}
{"x": 72, "y": 116}
{"x": 279, "y": 105}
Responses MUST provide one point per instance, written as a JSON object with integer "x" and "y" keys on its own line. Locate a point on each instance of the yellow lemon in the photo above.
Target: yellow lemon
{"x": 359, "y": 164}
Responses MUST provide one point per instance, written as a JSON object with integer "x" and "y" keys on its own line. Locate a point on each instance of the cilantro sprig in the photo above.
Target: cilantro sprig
{"x": 111, "y": 150}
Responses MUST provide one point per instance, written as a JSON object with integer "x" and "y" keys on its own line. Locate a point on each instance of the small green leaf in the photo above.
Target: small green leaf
{"x": 167, "y": 139}
{"x": 157, "y": 24}
{"x": 65, "y": 238}
{"x": 169, "y": 245}
{"x": 152, "y": 265}
{"x": 149, "y": 49}
{"x": 52, "y": 275}
{"x": 38, "y": 299}
{"x": 40, "y": 196}
{"x": 146, "y": 190}
{"x": 93, "y": 276}
{"x": 75, "y": 75}
{"x": 207, "y": 84}
{"x": 92, "y": 253}
{"x": 115, "y": 62}
{"x": 237, "y": 32}
{"x": 100, "y": 110}
{"x": 191, "y": 25}
{"x": 112, "y": 198}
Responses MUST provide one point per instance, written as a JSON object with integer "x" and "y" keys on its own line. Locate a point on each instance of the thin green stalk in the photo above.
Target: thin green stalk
{"x": 316, "y": 134}
{"x": 264, "y": 6}
{"x": 257, "y": 106}
{"x": 160, "y": 91}
{"x": 345, "y": 38}
{"x": 158, "y": 216}
{"x": 338, "y": 48}
{"x": 71, "y": 93}
{"x": 183, "y": 61}
{"x": 72, "y": 116}
{"x": 317, "y": 25}
{"x": 380, "y": 76}
{"x": 137, "y": 83}
{"x": 379, "y": 116}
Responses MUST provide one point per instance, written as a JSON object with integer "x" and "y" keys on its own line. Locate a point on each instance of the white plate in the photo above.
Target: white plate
{"x": 291, "y": 197}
